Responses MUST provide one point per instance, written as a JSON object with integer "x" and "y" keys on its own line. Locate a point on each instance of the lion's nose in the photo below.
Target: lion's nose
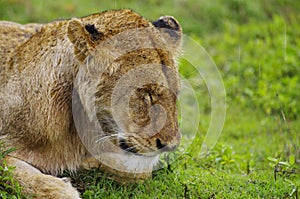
{"x": 165, "y": 146}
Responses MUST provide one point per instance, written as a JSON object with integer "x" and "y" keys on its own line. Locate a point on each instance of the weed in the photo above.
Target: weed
{"x": 9, "y": 188}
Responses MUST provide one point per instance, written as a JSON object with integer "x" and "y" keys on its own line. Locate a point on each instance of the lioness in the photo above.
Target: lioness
{"x": 95, "y": 91}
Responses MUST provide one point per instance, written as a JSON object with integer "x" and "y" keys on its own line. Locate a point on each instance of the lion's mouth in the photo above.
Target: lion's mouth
{"x": 128, "y": 148}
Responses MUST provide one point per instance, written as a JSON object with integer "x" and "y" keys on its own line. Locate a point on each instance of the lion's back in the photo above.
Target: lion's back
{"x": 12, "y": 35}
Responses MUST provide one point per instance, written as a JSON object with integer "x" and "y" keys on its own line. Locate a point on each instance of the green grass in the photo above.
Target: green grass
{"x": 9, "y": 188}
{"x": 255, "y": 45}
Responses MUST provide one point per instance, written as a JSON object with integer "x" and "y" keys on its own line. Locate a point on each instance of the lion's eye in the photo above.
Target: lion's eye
{"x": 148, "y": 98}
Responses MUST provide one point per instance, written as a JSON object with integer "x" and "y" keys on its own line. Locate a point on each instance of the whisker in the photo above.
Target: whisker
{"x": 107, "y": 137}
{"x": 130, "y": 148}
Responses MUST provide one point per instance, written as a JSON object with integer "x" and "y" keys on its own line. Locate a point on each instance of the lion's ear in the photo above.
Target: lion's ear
{"x": 170, "y": 29}
{"x": 83, "y": 37}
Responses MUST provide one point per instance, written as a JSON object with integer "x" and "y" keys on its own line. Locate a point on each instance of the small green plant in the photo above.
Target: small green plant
{"x": 285, "y": 169}
{"x": 9, "y": 188}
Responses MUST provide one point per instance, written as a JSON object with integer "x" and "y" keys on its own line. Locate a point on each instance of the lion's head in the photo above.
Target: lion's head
{"x": 127, "y": 85}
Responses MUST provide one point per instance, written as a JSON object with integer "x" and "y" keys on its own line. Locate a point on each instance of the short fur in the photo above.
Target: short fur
{"x": 39, "y": 70}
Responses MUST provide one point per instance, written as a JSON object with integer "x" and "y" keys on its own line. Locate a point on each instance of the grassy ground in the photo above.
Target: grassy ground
{"x": 255, "y": 45}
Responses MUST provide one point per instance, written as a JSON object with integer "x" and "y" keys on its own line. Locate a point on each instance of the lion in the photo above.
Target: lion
{"x": 97, "y": 91}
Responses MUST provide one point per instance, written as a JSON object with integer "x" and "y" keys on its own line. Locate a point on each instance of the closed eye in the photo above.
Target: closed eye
{"x": 151, "y": 99}
{"x": 148, "y": 98}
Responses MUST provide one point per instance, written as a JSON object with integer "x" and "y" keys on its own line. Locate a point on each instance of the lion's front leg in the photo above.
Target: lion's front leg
{"x": 40, "y": 185}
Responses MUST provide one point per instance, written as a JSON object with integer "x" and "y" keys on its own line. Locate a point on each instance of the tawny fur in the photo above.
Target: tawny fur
{"x": 39, "y": 64}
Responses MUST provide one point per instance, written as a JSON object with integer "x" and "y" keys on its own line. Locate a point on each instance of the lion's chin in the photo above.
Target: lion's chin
{"x": 128, "y": 167}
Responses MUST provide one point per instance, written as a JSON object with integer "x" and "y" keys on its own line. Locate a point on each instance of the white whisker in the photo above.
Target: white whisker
{"x": 114, "y": 136}
{"x": 129, "y": 148}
